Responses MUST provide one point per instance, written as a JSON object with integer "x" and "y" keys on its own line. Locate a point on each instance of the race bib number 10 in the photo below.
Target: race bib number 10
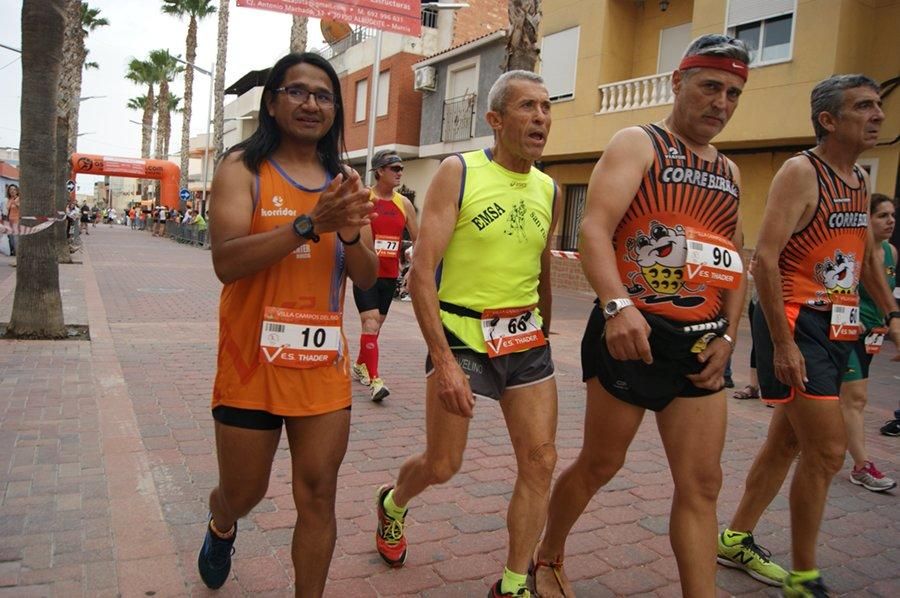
{"x": 387, "y": 246}
{"x": 510, "y": 330}
{"x": 299, "y": 339}
{"x": 712, "y": 259}
{"x": 844, "y": 318}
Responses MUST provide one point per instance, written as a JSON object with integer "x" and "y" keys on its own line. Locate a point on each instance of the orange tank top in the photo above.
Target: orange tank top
{"x": 311, "y": 278}
{"x": 680, "y": 193}
{"x": 824, "y": 259}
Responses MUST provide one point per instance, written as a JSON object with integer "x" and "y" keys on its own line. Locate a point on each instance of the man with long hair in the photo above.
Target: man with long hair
{"x": 290, "y": 224}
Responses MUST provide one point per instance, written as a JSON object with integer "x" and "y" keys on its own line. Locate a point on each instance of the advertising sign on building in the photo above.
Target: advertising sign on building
{"x": 399, "y": 16}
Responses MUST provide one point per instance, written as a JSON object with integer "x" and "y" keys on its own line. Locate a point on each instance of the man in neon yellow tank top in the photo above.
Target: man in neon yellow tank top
{"x": 485, "y": 237}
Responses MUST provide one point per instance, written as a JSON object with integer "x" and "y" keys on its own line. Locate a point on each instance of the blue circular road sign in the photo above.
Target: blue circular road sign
{"x": 184, "y": 194}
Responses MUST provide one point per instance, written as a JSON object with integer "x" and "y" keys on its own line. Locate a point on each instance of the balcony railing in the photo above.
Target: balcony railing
{"x": 429, "y": 18}
{"x": 459, "y": 117}
{"x": 634, "y": 94}
{"x": 357, "y": 36}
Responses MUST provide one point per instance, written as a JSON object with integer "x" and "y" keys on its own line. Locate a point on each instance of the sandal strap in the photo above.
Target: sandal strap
{"x": 555, "y": 566}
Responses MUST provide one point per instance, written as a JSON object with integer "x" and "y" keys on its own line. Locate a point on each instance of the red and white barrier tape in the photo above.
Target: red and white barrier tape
{"x": 18, "y": 229}
{"x": 569, "y": 255}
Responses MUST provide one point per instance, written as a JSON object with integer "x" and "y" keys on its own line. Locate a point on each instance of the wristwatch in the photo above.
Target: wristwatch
{"x": 303, "y": 227}
{"x": 891, "y": 316}
{"x": 612, "y": 308}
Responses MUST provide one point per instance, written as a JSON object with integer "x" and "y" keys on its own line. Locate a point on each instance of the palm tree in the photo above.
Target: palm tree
{"x": 219, "y": 85}
{"x": 166, "y": 68}
{"x": 521, "y": 44}
{"x": 37, "y": 305}
{"x": 298, "y": 34}
{"x": 90, "y": 20}
{"x": 194, "y": 9}
{"x": 143, "y": 72}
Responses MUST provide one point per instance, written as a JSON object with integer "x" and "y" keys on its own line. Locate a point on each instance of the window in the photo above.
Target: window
{"x": 672, "y": 44}
{"x": 765, "y": 26}
{"x": 870, "y": 165}
{"x": 575, "y": 198}
{"x": 362, "y": 90}
{"x": 384, "y": 86}
{"x": 559, "y": 55}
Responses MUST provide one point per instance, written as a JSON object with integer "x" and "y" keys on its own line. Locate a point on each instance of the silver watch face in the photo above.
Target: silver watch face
{"x": 611, "y": 309}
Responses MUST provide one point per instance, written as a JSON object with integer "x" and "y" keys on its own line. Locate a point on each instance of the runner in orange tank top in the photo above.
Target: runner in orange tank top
{"x": 814, "y": 248}
{"x": 289, "y": 224}
{"x": 660, "y": 245}
{"x": 395, "y": 214}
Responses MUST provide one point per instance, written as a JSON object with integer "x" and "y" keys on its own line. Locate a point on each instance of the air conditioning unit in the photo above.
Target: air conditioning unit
{"x": 426, "y": 79}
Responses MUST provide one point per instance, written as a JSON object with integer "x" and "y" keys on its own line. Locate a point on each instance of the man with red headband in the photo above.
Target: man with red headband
{"x": 661, "y": 246}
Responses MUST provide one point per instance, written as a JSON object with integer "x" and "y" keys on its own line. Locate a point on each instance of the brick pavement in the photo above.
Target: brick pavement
{"x": 107, "y": 455}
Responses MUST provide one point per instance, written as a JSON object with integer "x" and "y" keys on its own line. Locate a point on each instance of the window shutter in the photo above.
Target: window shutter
{"x": 560, "y": 51}
{"x": 748, "y": 11}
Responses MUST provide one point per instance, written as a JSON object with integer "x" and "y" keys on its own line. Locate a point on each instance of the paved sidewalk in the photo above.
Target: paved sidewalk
{"x": 107, "y": 457}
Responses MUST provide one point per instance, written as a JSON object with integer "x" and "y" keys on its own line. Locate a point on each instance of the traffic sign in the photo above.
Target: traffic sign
{"x": 70, "y": 185}
{"x": 184, "y": 194}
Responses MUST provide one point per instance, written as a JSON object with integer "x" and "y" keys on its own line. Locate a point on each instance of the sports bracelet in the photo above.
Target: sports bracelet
{"x": 728, "y": 340}
{"x": 353, "y": 242}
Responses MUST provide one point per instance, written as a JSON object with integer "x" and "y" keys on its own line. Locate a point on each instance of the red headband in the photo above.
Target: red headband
{"x": 722, "y": 63}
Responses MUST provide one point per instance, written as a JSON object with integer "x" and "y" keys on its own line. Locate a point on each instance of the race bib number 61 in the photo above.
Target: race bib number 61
{"x": 845, "y": 322}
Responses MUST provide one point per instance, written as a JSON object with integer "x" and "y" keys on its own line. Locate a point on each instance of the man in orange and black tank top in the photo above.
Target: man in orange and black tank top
{"x": 660, "y": 245}
{"x": 290, "y": 224}
{"x": 395, "y": 213}
{"x": 814, "y": 248}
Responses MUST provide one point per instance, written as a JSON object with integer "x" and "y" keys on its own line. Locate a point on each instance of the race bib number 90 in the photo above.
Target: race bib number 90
{"x": 387, "y": 246}
{"x": 712, "y": 259}
{"x": 845, "y": 322}
{"x": 510, "y": 330}
{"x": 299, "y": 339}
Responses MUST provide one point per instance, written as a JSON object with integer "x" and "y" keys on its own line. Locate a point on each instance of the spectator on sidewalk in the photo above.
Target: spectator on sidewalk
{"x": 291, "y": 225}
{"x": 85, "y": 217}
{"x": 199, "y": 226}
{"x": 12, "y": 212}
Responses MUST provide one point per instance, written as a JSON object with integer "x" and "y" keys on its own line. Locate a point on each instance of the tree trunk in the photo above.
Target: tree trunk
{"x": 37, "y": 306}
{"x": 75, "y": 103}
{"x": 219, "y": 89}
{"x": 298, "y": 34}
{"x": 163, "y": 121}
{"x": 146, "y": 135}
{"x": 191, "y": 51}
{"x": 69, "y": 92}
{"x": 522, "y": 50}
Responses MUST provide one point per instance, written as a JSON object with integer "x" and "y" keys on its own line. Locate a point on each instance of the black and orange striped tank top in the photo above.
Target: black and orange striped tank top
{"x": 825, "y": 258}
{"x": 680, "y": 192}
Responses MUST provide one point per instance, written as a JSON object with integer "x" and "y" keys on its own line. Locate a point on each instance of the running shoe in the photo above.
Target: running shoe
{"x": 379, "y": 390}
{"x": 389, "y": 539}
{"x": 746, "y": 554}
{"x": 870, "y": 478}
{"x": 214, "y": 561}
{"x": 494, "y": 592}
{"x": 813, "y": 588}
{"x": 360, "y": 372}
{"x": 729, "y": 382}
{"x": 891, "y": 427}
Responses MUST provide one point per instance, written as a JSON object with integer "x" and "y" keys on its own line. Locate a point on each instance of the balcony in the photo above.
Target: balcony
{"x": 634, "y": 94}
{"x": 357, "y": 36}
{"x": 459, "y": 118}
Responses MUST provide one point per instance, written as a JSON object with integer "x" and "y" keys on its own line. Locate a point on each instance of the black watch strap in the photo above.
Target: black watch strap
{"x": 891, "y": 316}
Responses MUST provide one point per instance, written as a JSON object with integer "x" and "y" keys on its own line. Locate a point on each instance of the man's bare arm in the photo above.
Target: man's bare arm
{"x": 545, "y": 288}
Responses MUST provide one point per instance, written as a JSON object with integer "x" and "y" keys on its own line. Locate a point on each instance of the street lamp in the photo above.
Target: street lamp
{"x": 83, "y": 98}
{"x": 208, "y": 73}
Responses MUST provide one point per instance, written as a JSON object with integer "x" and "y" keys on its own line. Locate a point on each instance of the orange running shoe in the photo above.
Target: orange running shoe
{"x": 389, "y": 539}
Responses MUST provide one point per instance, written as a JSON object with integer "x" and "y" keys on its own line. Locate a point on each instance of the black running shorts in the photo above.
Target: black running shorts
{"x": 652, "y": 386}
{"x": 491, "y": 377}
{"x": 826, "y": 360}
{"x": 378, "y": 297}
{"x": 248, "y": 419}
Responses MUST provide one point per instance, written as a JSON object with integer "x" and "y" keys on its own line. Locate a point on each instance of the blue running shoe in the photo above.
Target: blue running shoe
{"x": 214, "y": 561}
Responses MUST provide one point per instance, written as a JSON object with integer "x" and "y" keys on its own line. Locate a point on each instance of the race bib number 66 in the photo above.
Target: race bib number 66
{"x": 510, "y": 330}
{"x": 299, "y": 339}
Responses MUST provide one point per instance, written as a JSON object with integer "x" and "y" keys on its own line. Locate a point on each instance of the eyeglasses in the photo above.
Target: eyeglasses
{"x": 299, "y": 95}
{"x": 396, "y": 168}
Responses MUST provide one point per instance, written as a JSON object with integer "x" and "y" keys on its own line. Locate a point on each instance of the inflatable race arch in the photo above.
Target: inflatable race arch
{"x": 167, "y": 173}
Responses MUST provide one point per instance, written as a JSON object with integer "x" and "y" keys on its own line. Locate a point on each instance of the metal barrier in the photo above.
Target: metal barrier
{"x": 186, "y": 233}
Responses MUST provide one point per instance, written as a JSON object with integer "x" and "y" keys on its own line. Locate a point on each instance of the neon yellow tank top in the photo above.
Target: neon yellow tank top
{"x": 494, "y": 256}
